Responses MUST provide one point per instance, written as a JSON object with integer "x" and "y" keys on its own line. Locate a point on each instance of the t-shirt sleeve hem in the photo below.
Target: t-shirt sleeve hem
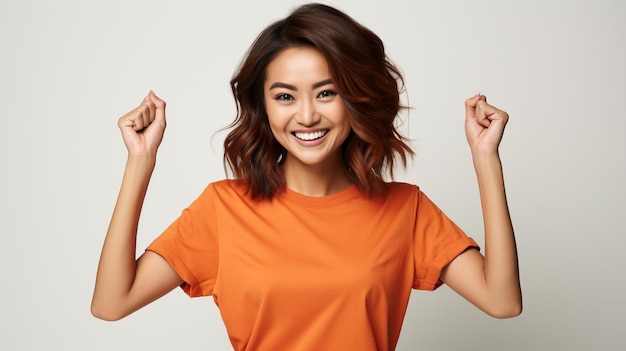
{"x": 190, "y": 284}
{"x": 430, "y": 280}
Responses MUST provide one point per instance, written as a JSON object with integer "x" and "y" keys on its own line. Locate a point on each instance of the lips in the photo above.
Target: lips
{"x": 310, "y": 136}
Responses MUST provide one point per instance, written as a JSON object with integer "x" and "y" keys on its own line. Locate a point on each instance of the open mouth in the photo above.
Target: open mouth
{"x": 310, "y": 136}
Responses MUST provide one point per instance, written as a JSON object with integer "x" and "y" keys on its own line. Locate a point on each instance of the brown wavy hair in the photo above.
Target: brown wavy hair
{"x": 367, "y": 81}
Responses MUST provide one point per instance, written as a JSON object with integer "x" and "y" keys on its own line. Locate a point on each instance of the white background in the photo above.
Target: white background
{"x": 69, "y": 69}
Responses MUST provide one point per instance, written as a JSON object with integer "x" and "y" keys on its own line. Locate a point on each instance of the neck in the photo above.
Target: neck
{"x": 316, "y": 180}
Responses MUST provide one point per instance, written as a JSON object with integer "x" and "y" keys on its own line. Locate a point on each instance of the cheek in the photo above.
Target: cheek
{"x": 273, "y": 119}
{"x": 347, "y": 126}
{"x": 278, "y": 116}
{"x": 341, "y": 116}
{"x": 276, "y": 124}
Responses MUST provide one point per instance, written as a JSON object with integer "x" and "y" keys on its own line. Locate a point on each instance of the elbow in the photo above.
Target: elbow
{"x": 105, "y": 313}
{"x": 505, "y": 305}
{"x": 508, "y": 311}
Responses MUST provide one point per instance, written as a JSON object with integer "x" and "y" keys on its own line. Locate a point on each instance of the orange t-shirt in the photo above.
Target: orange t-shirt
{"x": 311, "y": 273}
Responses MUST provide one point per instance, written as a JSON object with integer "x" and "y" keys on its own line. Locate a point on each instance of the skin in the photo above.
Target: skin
{"x": 124, "y": 285}
{"x": 300, "y": 97}
{"x": 490, "y": 282}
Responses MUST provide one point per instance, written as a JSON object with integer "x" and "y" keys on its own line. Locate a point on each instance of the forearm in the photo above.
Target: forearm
{"x": 117, "y": 267}
{"x": 501, "y": 263}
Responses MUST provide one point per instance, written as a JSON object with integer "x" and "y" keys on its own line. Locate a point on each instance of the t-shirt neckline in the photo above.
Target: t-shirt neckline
{"x": 347, "y": 195}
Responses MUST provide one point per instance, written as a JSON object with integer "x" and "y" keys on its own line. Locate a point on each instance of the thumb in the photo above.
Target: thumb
{"x": 471, "y": 104}
{"x": 160, "y": 107}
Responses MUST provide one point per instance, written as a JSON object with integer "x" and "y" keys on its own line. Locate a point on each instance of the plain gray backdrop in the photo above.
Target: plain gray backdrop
{"x": 69, "y": 69}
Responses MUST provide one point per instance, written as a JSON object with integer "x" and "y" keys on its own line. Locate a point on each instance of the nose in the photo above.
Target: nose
{"x": 307, "y": 114}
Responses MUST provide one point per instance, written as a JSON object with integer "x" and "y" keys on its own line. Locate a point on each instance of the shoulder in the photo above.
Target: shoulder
{"x": 398, "y": 190}
{"x": 227, "y": 191}
{"x": 399, "y": 197}
{"x": 227, "y": 185}
{"x": 410, "y": 195}
{"x": 402, "y": 186}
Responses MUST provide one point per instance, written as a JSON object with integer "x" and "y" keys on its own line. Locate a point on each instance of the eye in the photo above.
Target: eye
{"x": 283, "y": 97}
{"x": 326, "y": 94}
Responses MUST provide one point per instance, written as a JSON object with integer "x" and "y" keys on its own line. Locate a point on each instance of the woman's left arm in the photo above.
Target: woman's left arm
{"x": 490, "y": 282}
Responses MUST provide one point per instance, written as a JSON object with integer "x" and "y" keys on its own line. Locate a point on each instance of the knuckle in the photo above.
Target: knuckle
{"x": 127, "y": 117}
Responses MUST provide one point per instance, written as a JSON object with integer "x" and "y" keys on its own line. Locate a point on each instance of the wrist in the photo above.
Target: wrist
{"x": 485, "y": 162}
{"x": 141, "y": 160}
{"x": 139, "y": 168}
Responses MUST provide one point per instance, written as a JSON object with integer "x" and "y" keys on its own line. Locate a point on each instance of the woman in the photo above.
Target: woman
{"x": 308, "y": 248}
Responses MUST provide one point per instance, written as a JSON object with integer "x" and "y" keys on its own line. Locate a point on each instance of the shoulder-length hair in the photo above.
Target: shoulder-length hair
{"x": 367, "y": 81}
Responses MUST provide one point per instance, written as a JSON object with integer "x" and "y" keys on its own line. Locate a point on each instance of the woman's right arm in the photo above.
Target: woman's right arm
{"x": 124, "y": 284}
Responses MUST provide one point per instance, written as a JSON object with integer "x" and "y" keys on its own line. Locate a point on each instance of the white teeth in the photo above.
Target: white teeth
{"x": 310, "y": 136}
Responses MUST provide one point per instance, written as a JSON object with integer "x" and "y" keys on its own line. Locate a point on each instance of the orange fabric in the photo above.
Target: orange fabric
{"x": 305, "y": 273}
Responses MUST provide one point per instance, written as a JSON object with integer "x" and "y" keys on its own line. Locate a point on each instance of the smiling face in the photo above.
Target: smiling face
{"x": 306, "y": 115}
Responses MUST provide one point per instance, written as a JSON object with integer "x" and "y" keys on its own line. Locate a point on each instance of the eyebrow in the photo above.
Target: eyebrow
{"x": 292, "y": 87}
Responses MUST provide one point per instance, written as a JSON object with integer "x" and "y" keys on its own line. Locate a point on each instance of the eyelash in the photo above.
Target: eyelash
{"x": 323, "y": 94}
{"x": 283, "y": 97}
{"x": 327, "y": 93}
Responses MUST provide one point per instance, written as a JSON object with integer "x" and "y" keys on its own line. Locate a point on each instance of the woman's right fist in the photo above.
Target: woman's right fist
{"x": 143, "y": 127}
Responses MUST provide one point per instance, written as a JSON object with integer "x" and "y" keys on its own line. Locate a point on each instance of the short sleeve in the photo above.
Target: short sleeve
{"x": 437, "y": 241}
{"x": 190, "y": 246}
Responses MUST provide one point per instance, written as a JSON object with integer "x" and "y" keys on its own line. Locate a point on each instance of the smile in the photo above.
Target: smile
{"x": 310, "y": 136}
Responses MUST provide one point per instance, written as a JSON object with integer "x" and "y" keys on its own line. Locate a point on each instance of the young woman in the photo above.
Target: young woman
{"x": 308, "y": 247}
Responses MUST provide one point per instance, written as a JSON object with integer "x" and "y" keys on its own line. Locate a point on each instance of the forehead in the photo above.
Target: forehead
{"x": 297, "y": 64}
